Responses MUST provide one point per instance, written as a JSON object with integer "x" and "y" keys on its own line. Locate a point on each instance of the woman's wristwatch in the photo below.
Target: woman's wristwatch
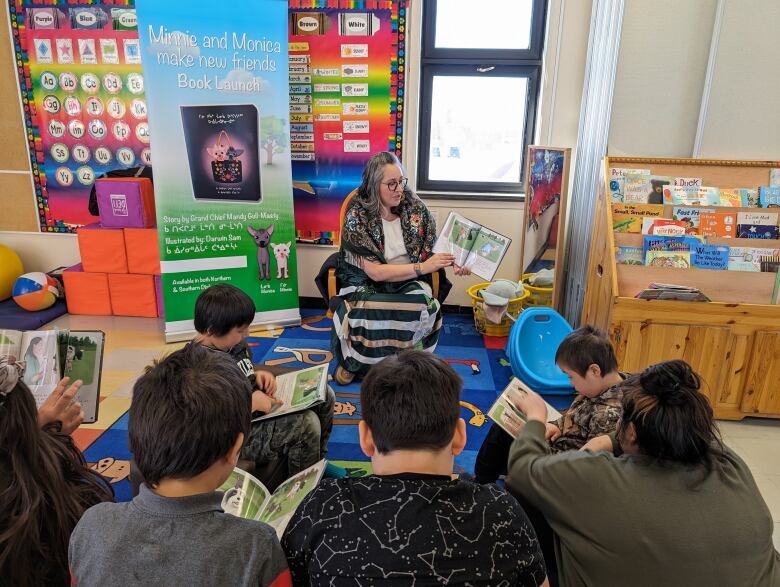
{"x": 418, "y": 269}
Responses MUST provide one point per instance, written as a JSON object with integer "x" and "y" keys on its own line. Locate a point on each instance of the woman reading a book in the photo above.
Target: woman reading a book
{"x": 660, "y": 502}
{"x": 45, "y": 484}
{"x": 385, "y": 263}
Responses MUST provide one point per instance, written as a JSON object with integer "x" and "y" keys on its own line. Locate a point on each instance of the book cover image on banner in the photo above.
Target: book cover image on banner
{"x": 218, "y": 98}
{"x": 222, "y": 149}
{"x": 346, "y": 70}
{"x": 79, "y": 70}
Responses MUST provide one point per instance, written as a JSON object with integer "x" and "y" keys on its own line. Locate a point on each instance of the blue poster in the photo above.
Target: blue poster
{"x": 218, "y": 91}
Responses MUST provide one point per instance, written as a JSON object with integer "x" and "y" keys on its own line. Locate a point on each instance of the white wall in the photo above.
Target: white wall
{"x": 557, "y": 125}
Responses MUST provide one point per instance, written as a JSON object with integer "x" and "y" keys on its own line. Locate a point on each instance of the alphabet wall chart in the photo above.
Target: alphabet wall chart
{"x": 82, "y": 88}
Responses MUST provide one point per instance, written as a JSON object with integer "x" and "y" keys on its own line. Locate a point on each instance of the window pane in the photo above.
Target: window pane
{"x": 491, "y": 24}
{"x": 477, "y": 128}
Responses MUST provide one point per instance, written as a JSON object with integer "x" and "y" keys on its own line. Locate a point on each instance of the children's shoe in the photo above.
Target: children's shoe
{"x": 343, "y": 377}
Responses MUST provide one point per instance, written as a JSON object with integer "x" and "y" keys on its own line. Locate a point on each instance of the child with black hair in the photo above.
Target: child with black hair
{"x": 587, "y": 357}
{"x": 45, "y": 484}
{"x": 188, "y": 419}
{"x": 223, "y": 314}
{"x": 410, "y": 521}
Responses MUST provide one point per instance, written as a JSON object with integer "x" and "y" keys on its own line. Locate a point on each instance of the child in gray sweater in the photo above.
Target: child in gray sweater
{"x": 188, "y": 420}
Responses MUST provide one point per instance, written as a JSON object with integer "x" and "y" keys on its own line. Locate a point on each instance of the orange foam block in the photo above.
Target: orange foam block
{"x": 132, "y": 295}
{"x": 102, "y": 249}
{"x": 143, "y": 252}
{"x": 86, "y": 293}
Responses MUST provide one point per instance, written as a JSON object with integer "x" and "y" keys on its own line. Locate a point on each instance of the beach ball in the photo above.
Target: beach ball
{"x": 36, "y": 291}
{"x": 10, "y": 269}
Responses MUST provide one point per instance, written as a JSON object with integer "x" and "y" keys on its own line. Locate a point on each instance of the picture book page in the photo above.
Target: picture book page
{"x": 11, "y": 344}
{"x": 505, "y": 413}
{"x": 299, "y": 390}
{"x": 41, "y": 372}
{"x": 244, "y": 495}
{"x": 81, "y": 357}
{"x": 457, "y": 237}
{"x": 281, "y": 506}
{"x": 487, "y": 253}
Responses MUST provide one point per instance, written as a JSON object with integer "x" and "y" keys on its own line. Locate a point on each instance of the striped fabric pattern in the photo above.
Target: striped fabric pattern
{"x": 370, "y": 327}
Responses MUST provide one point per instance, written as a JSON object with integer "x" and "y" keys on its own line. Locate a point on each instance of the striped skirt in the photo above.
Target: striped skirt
{"x": 367, "y": 327}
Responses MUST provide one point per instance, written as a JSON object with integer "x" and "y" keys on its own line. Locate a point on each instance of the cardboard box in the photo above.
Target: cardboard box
{"x": 143, "y": 252}
{"x": 126, "y": 202}
{"x": 86, "y": 293}
{"x": 132, "y": 295}
{"x": 102, "y": 249}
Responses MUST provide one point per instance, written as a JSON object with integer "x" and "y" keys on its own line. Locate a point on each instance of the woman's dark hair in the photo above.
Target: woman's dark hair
{"x": 45, "y": 487}
{"x": 672, "y": 418}
{"x": 222, "y": 307}
{"x": 368, "y": 190}
{"x": 187, "y": 412}
{"x": 411, "y": 401}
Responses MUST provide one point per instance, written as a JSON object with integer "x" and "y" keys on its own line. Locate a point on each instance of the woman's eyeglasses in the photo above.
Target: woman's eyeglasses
{"x": 394, "y": 184}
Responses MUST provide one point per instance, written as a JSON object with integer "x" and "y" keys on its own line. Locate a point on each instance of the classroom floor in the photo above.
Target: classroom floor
{"x": 132, "y": 343}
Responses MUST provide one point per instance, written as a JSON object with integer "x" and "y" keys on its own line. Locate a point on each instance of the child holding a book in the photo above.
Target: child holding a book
{"x": 188, "y": 419}
{"x": 410, "y": 521}
{"x": 223, "y": 314}
{"x": 587, "y": 357}
{"x": 45, "y": 484}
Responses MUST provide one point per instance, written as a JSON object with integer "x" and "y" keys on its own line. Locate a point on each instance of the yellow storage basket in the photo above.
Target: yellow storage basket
{"x": 481, "y": 323}
{"x": 538, "y": 296}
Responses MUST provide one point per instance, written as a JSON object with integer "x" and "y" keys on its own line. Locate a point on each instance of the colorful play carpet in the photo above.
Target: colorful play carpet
{"x": 479, "y": 360}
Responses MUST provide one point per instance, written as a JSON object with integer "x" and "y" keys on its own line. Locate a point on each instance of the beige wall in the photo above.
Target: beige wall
{"x": 557, "y": 126}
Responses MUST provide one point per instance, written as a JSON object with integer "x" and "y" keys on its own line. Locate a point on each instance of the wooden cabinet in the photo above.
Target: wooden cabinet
{"x": 733, "y": 343}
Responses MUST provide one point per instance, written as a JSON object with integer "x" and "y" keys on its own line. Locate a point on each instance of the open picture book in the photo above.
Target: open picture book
{"x": 505, "y": 413}
{"x": 49, "y": 355}
{"x": 246, "y": 497}
{"x": 299, "y": 390}
{"x": 475, "y": 246}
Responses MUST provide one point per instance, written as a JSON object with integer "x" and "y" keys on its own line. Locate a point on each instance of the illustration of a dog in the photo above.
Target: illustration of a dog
{"x": 282, "y": 253}
{"x": 219, "y": 151}
{"x": 262, "y": 238}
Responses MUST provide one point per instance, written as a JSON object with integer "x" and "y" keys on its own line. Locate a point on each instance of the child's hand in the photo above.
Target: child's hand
{"x": 263, "y": 403}
{"x": 266, "y": 382}
{"x": 599, "y": 443}
{"x": 62, "y": 407}
{"x": 551, "y": 432}
{"x": 532, "y": 405}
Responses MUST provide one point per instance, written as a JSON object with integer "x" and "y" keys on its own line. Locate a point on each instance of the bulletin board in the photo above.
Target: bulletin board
{"x": 346, "y": 102}
{"x": 79, "y": 68}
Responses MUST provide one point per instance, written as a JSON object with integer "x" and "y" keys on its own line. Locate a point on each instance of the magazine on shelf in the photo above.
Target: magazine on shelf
{"x": 246, "y": 497}
{"x": 299, "y": 390}
{"x": 670, "y": 291}
{"x": 504, "y": 412}
{"x": 49, "y": 355}
{"x": 475, "y": 246}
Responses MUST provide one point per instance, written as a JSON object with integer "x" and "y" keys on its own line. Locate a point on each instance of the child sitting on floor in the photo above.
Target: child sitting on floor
{"x": 188, "y": 419}
{"x": 223, "y": 314}
{"x": 587, "y": 357}
{"x": 410, "y": 522}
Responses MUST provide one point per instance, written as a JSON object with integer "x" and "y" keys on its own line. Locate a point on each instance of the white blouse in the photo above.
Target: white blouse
{"x": 395, "y": 249}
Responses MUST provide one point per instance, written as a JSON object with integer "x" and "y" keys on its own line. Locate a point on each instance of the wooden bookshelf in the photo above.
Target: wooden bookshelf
{"x": 733, "y": 342}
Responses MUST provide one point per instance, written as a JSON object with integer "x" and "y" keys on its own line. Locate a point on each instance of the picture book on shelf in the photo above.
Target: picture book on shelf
{"x": 769, "y": 196}
{"x": 617, "y": 177}
{"x": 475, "y": 246}
{"x": 688, "y": 181}
{"x": 669, "y": 259}
{"x": 298, "y": 390}
{"x": 644, "y": 188}
{"x": 710, "y": 257}
{"x": 758, "y": 231}
{"x": 49, "y": 355}
{"x": 757, "y": 218}
{"x": 691, "y": 196}
{"x": 718, "y": 224}
{"x": 770, "y": 263}
{"x": 690, "y": 216}
{"x": 669, "y": 291}
{"x": 739, "y": 197}
{"x": 671, "y": 243}
{"x": 629, "y": 256}
{"x": 748, "y": 258}
{"x": 663, "y": 227}
{"x": 774, "y": 176}
{"x": 628, "y": 217}
{"x": 246, "y": 497}
{"x": 505, "y": 413}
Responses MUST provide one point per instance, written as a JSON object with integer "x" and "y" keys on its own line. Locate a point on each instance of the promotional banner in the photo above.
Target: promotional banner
{"x": 83, "y": 96}
{"x": 346, "y": 102}
{"x": 217, "y": 84}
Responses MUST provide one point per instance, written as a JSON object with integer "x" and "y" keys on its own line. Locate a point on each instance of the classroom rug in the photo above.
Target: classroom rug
{"x": 479, "y": 360}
